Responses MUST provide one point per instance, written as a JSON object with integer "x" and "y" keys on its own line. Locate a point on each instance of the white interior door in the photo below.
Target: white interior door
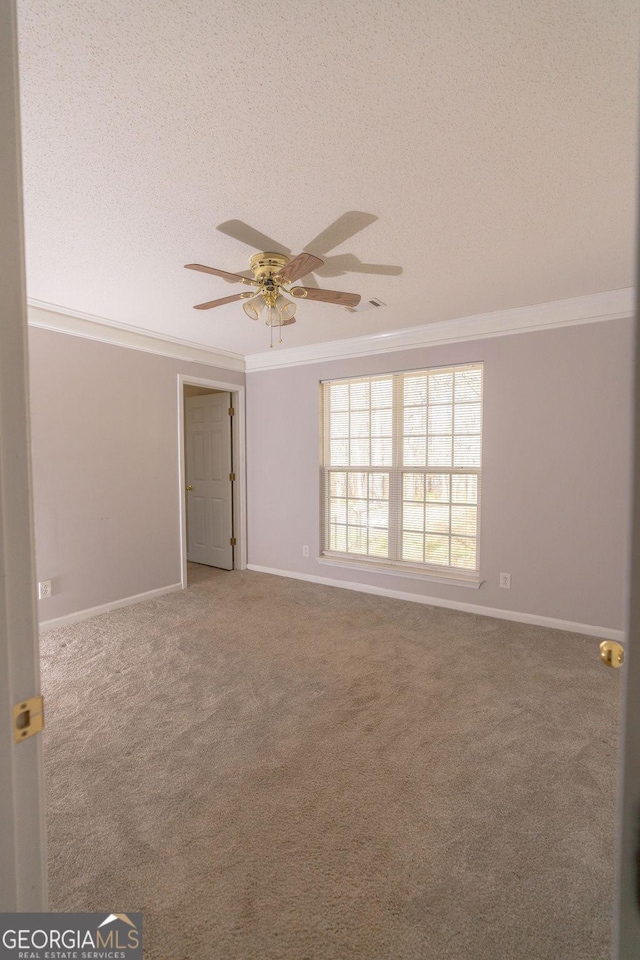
{"x": 208, "y": 477}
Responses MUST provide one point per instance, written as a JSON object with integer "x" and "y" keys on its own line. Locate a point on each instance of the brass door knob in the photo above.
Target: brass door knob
{"x": 612, "y": 653}
{"x": 189, "y": 487}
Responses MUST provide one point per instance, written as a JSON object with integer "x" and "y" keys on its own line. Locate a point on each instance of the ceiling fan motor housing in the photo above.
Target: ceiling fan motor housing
{"x": 265, "y": 265}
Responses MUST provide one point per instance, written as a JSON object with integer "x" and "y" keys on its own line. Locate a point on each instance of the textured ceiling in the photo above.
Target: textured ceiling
{"x": 483, "y": 151}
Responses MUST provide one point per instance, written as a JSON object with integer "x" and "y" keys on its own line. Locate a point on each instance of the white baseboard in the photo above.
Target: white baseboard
{"x": 605, "y": 633}
{"x": 106, "y": 607}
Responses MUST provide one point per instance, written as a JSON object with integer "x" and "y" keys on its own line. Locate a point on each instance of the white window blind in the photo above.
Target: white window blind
{"x": 401, "y": 468}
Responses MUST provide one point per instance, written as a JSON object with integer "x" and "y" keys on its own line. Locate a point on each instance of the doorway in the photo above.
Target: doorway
{"x": 211, "y": 477}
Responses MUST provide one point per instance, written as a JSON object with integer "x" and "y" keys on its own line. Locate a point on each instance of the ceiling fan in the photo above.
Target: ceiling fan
{"x": 273, "y": 274}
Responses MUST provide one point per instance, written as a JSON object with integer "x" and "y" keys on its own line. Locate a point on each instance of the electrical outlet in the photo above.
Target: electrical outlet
{"x": 305, "y": 550}
{"x": 44, "y": 589}
{"x": 505, "y": 581}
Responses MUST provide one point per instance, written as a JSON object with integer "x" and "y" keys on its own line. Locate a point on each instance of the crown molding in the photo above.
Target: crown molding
{"x": 48, "y": 316}
{"x": 593, "y": 308}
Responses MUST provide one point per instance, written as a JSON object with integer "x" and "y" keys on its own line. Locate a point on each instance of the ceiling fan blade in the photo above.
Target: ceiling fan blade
{"x": 328, "y": 296}
{"x": 300, "y": 266}
{"x": 219, "y": 303}
{"x": 230, "y": 277}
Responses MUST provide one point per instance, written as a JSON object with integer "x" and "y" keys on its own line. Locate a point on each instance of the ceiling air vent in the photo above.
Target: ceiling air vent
{"x": 366, "y": 305}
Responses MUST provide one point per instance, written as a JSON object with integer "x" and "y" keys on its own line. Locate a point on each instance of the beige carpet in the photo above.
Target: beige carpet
{"x": 276, "y": 770}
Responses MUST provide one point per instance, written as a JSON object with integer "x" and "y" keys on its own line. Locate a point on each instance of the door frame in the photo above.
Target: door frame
{"x": 23, "y": 876}
{"x": 238, "y": 448}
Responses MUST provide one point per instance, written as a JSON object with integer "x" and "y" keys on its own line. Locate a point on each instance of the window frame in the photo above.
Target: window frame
{"x": 396, "y": 470}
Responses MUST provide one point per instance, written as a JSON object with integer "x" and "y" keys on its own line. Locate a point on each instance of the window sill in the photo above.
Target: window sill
{"x": 395, "y": 570}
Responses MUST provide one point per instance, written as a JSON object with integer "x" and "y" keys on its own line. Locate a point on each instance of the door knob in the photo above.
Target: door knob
{"x": 189, "y": 487}
{"x": 612, "y": 653}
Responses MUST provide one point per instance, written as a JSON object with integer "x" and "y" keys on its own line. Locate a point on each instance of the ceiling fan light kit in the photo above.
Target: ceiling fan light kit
{"x": 273, "y": 274}
{"x": 279, "y": 313}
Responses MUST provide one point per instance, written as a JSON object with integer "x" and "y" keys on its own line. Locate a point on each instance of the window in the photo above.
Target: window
{"x": 401, "y": 469}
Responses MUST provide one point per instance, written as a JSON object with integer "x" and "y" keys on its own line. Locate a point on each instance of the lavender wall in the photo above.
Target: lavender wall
{"x": 556, "y": 480}
{"x": 105, "y": 468}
